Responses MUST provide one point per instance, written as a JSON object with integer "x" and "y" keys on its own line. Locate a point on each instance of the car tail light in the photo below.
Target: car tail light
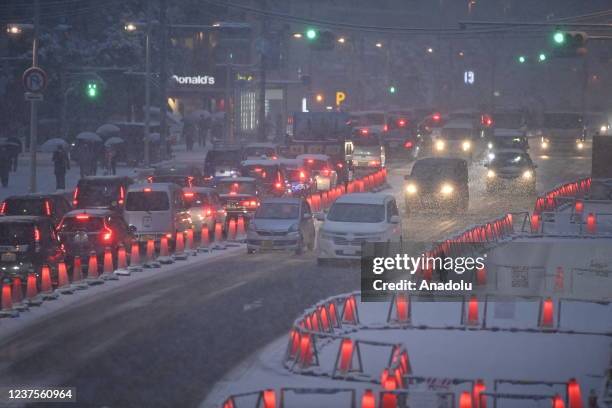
{"x": 82, "y": 217}
{"x": 364, "y": 131}
{"x": 75, "y": 199}
{"x": 3, "y": 208}
{"x": 278, "y": 184}
{"x": 36, "y": 239}
{"x": 310, "y": 161}
{"x": 150, "y": 179}
{"x": 47, "y": 208}
{"x": 408, "y": 144}
{"x": 374, "y": 162}
{"x": 249, "y": 203}
{"x": 340, "y": 165}
{"x": 207, "y": 211}
{"x": 401, "y": 122}
{"x": 121, "y": 195}
{"x": 107, "y": 235}
{"x": 274, "y": 158}
{"x": 385, "y": 128}
{"x": 302, "y": 175}
{"x": 188, "y": 194}
{"x": 436, "y": 117}
{"x": 147, "y": 189}
{"x": 325, "y": 172}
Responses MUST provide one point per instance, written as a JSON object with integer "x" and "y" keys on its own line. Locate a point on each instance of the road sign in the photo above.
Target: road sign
{"x": 340, "y": 97}
{"x": 32, "y": 96}
{"x": 34, "y": 80}
{"x": 469, "y": 77}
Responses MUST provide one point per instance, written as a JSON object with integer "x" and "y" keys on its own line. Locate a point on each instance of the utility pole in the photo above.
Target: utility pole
{"x": 261, "y": 129}
{"x": 33, "y": 103}
{"x": 147, "y": 157}
{"x": 163, "y": 78}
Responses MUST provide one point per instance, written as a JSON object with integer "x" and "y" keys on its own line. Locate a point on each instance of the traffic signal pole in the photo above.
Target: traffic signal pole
{"x": 163, "y": 75}
{"x": 261, "y": 128}
{"x": 147, "y": 124}
{"x": 33, "y": 103}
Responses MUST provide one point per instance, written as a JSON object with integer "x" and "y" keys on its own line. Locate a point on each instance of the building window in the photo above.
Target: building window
{"x": 248, "y": 111}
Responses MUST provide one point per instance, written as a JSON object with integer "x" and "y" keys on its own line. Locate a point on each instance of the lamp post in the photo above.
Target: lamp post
{"x": 132, "y": 27}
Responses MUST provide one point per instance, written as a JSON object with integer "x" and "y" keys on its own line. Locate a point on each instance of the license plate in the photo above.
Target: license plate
{"x": 146, "y": 222}
{"x": 267, "y": 244}
{"x": 8, "y": 257}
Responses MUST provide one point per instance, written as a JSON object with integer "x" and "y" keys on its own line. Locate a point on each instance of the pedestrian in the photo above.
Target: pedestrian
{"x": 189, "y": 136}
{"x": 61, "y": 163}
{"x": 113, "y": 161}
{"x": 83, "y": 158}
{"x": 5, "y": 164}
{"x": 15, "y": 150}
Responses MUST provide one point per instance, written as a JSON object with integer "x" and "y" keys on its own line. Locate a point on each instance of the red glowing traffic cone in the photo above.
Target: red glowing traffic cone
{"x": 231, "y": 232}
{"x": 135, "y": 255}
{"x": 546, "y": 313}
{"x": 402, "y": 308}
{"x": 574, "y": 395}
{"x": 389, "y": 400}
{"x": 7, "y": 296}
{"x": 229, "y": 403}
{"x": 163, "y": 247}
{"x": 150, "y": 250}
{"x": 180, "y": 242}
{"x": 17, "y": 290}
{"x": 204, "y": 237}
{"x": 218, "y": 235}
{"x": 325, "y": 325}
{"x": 579, "y": 207}
{"x": 368, "y": 400}
{"x": 345, "y": 358}
{"x": 241, "y": 232}
{"x": 108, "y": 261}
{"x": 190, "y": 241}
{"x": 294, "y": 343}
{"x": 591, "y": 224}
{"x": 306, "y": 353}
{"x": 333, "y": 314}
{"x": 268, "y": 399}
{"x": 472, "y": 312}
{"x": 31, "y": 286}
{"x": 121, "y": 258}
{"x": 465, "y": 400}
{"x": 62, "y": 275}
{"x": 535, "y": 222}
{"x": 557, "y": 402}
{"x": 349, "y": 314}
{"x": 478, "y": 388}
{"x": 45, "y": 279}
{"x": 92, "y": 266}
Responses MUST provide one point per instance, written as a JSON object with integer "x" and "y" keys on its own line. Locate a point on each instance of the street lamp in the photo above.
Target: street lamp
{"x": 379, "y": 45}
{"x": 341, "y": 40}
{"x": 18, "y": 29}
{"x": 297, "y": 35}
{"x": 430, "y": 50}
{"x": 133, "y": 27}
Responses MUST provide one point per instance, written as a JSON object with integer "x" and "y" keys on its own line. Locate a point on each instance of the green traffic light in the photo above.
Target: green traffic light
{"x": 392, "y": 89}
{"x": 311, "y": 34}
{"x": 542, "y": 57}
{"x": 559, "y": 37}
{"x": 522, "y": 59}
{"x": 92, "y": 90}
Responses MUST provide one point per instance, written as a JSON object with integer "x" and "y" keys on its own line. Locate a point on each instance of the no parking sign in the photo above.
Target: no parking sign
{"x": 34, "y": 80}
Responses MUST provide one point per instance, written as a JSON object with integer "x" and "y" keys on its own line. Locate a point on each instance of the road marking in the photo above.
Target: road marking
{"x": 256, "y": 304}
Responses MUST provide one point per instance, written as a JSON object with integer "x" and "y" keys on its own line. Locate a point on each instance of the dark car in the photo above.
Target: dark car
{"x": 26, "y": 244}
{"x": 53, "y": 206}
{"x": 269, "y": 174}
{"x": 511, "y": 168}
{"x": 185, "y": 175}
{"x": 437, "y": 183}
{"x": 239, "y": 195}
{"x": 223, "y": 161}
{"x": 101, "y": 192}
{"x": 83, "y": 231}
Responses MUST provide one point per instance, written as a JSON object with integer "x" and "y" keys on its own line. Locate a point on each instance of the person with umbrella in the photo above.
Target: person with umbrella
{"x": 61, "y": 163}
{"x": 15, "y": 149}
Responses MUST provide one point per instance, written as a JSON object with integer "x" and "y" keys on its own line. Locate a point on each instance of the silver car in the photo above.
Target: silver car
{"x": 281, "y": 223}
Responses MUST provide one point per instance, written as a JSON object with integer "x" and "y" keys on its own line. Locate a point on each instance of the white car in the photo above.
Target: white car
{"x": 354, "y": 219}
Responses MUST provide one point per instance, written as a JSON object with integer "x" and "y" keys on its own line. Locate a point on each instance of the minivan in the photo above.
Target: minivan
{"x": 101, "y": 192}
{"x": 155, "y": 210}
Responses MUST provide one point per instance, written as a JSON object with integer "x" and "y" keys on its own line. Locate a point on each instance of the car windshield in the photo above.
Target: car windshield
{"x": 510, "y": 141}
{"x": 278, "y": 211}
{"x": 349, "y": 212}
{"x": 563, "y": 121}
{"x": 296, "y": 175}
{"x": 195, "y": 199}
{"x": 183, "y": 181}
{"x": 97, "y": 194}
{"x": 314, "y": 164}
{"x": 236, "y": 187}
{"x": 230, "y": 157}
{"x": 508, "y": 120}
{"x": 434, "y": 171}
{"x": 368, "y": 119}
{"x": 147, "y": 201}
{"x": 27, "y": 207}
{"x": 82, "y": 223}
{"x": 456, "y": 133}
{"x": 16, "y": 233}
{"x": 511, "y": 159}
{"x": 257, "y": 151}
{"x": 166, "y": 171}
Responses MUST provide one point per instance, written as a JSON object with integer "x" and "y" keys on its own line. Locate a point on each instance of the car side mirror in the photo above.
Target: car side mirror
{"x": 395, "y": 219}
{"x": 320, "y": 216}
{"x": 132, "y": 229}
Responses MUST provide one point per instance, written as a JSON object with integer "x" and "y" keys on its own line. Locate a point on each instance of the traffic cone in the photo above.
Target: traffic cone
{"x": 294, "y": 343}
{"x": 591, "y": 225}
{"x": 151, "y": 262}
{"x": 164, "y": 254}
{"x": 229, "y": 403}
{"x": 92, "y": 270}
{"x": 574, "y": 395}
{"x": 325, "y": 325}
{"x": 241, "y": 232}
{"x": 401, "y": 304}
{"x": 472, "y": 312}
{"x": 122, "y": 268}
{"x": 368, "y": 400}
{"x": 535, "y": 222}
{"x": 204, "y": 239}
{"x": 346, "y": 354}
{"x": 557, "y": 402}
{"x": 32, "y": 298}
{"x": 18, "y": 303}
{"x": 481, "y": 276}
{"x": 333, "y": 314}
{"x": 7, "y": 301}
{"x": 305, "y": 356}
{"x": 465, "y": 400}
{"x": 190, "y": 242}
{"x": 268, "y": 399}
{"x": 108, "y": 266}
{"x": 546, "y": 314}
{"x": 231, "y": 233}
{"x": 135, "y": 265}
{"x": 46, "y": 288}
{"x": 63, "y": 285}
{"x": 77, "y": 275}
{"x": 349, "y": 313}
{"x": 219, "y": 236}
{"x": 389, "y": 400}
{"x": 179, "y": 250}
{"x": 477, "y": 389}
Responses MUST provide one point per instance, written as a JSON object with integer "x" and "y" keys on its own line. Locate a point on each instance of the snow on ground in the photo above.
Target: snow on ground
{"x": 10, "y": 326}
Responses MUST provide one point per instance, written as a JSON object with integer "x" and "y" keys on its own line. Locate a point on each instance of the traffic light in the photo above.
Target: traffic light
{"x": 542, "y": 57}
{"x": 320, "y": 40}
{"x": 522, "y": 59}
{"x": 569, "y": 43}
{"x": 392, "y": 89}
{"x": 91, "y": 89}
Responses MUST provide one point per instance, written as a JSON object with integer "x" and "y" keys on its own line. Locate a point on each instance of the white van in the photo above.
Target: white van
{"x": 155, "y": 210}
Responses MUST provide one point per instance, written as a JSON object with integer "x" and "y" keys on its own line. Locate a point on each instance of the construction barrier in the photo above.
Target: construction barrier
{"x": 551, "y": 200}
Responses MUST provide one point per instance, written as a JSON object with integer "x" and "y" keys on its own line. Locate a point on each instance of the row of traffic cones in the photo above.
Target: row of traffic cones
{"x": 13, "y": 300}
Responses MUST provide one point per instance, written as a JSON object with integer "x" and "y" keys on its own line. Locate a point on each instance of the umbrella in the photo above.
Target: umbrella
{"x": 5, "y": 142}
{"x": 89, "y": 137}
{"x": 154, "y": 137}
{"x": 51, "y": 145}
{"x": 108, "y": 130}
{"x": 113, "y": 141}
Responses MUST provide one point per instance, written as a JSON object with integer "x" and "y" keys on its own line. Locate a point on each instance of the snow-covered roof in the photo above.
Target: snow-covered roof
{"x": 259, "y": 162}
{"x": 364, "y": 198}
{"x": 96, "y": 212}
{"x": 153, "y": 187}
{"x": 262, "y": 144}
{"x": 237, "y": 179}
{"x": 313, "y": 156}
{"x": 501, "y": 132}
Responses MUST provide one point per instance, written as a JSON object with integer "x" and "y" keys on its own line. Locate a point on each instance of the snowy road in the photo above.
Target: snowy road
{"x": 166, "y": 340}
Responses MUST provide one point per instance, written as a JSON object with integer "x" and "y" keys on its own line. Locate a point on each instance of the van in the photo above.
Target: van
{"x": 155, "y": 210}
{"x": 101, "y": 192}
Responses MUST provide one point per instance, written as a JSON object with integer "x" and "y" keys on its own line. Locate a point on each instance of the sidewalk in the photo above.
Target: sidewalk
{"x": 19, "y": 182}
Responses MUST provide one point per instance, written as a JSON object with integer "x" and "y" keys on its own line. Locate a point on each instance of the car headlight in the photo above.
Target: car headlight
{"x": 603, "y": 128}
{"x": 466, "y": 145}
{"x": 440, "y": 145}
{"x": 491, "y": 174}
{"x": 294, "y": 228}
{"x": 491, "y": 156}
{"x": 411, "y": 189}
{"x": 544, "y": 144}
{"x": 527, "y": 174}
{"x": 579, "y": 144}
{"x": 447, "y": 189}
{"x": 490, "y": 145}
